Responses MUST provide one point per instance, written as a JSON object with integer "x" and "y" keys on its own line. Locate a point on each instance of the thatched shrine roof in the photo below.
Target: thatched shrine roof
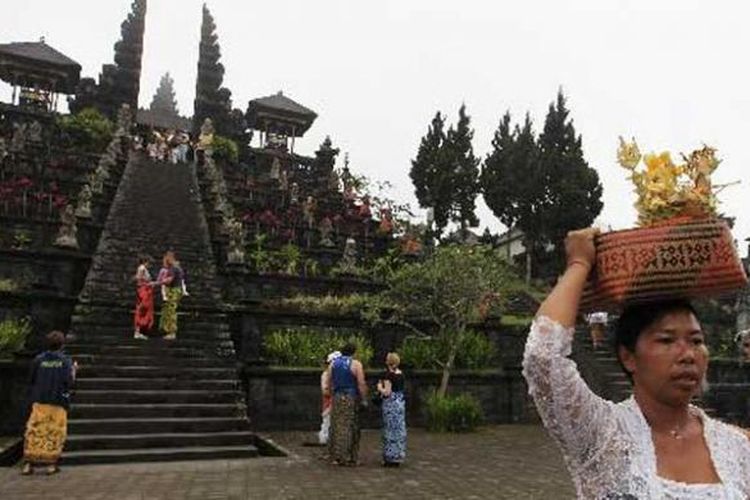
{"x": 36, "y": 64}
{"x": 280, "y": 114}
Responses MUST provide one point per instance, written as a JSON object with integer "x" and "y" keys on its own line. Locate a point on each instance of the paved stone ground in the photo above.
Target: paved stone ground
{"x": 513, "y": 462}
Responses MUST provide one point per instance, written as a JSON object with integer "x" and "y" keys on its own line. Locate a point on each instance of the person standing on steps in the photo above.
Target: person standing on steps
{"x": 172, "y": 290}
{"x": 52, "y": 377}
{"x": 144, "y": 303}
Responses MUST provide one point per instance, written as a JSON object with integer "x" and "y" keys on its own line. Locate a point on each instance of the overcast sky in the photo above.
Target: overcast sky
{"x": 673, "y": 73}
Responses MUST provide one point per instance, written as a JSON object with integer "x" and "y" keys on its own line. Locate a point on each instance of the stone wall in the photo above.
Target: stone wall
{"x": 289, "y": 398}
{"x": 729, "y": 391}
{"x": 13, "y": 395}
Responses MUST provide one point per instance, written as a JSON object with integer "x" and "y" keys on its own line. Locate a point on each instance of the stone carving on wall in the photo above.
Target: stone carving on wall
{"x": 67, "y": 235}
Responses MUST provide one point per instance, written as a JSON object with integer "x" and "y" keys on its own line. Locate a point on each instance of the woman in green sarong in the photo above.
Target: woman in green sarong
{"x": 171, "y": 282}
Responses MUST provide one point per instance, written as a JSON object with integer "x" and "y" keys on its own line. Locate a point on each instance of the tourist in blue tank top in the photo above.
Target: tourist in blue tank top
{"x": 349, "y": 393}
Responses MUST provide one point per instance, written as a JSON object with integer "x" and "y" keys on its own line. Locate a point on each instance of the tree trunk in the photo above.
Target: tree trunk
{"x": 528, "y": 265}
{"x": 447, "y": 368}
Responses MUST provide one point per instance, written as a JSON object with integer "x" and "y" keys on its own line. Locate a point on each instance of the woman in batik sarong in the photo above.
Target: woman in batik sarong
{"x": 171, "y": 283}
{"x": 144, "y": 303}
{"x": 391, "y": 389}
{"x": 349, "y": 392}
{"x": 52, "y": 377}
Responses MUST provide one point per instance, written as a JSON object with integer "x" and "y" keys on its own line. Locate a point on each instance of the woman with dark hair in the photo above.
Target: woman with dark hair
{"x": 349, "y": 392}
{"x": 144, "y": 304}
{"x": 52, "y": 377}
{"x": 654, "y": 445}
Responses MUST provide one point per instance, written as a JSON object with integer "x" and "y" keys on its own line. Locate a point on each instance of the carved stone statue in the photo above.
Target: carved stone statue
{"x": 96, "y": 183}
{"x": 67, "y": 234}
{"x": 386, "y": 221}
{"x": 275, "y": 172}
{"x": 364, "y": 211}
{"x": 34, "y": 132}
{"x": 236, "y": 253}
{"x": 326, "y": 229}
{"x": 284, "y": 181}
{"x": 308, "y": 211}
{"x": 333, "y": 181}
{"x": 294, "y": 193}
{"x": 206, "y": 138}
{"x": 83, "y": 208}
{"x": 349, "y": 259}
{"x": 18, "y": 139}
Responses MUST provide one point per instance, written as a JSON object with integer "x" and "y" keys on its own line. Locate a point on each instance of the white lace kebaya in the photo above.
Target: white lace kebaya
{"x": 607, "y": 447}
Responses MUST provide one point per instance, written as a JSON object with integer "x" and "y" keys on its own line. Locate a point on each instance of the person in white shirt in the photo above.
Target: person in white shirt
{"x": 654, "y": 445}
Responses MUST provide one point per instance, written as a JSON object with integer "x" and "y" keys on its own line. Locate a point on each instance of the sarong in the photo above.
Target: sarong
{"x": 144, "y": 308}
{"x": 343, "y": 441}
{"x": 394, "y": 428}
{"x": 45, "y": 435}
{"x": 168, "y": 320}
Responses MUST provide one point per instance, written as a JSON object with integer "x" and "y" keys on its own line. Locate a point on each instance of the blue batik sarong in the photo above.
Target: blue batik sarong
{"x": 394, "y": 428}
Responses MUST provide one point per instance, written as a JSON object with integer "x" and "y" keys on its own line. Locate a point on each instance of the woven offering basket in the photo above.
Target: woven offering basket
{"x": 685, "y": 258}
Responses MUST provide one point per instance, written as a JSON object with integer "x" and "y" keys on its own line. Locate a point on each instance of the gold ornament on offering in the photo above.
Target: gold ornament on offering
{"x": 666, "y": 190}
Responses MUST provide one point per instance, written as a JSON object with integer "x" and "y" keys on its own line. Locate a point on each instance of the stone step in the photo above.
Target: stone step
{"x": 125, "y": 336}
{"x": 90, "y": 442}
{"x": 156, "y": 425}
{"x": 155, "y": 397}
{"x": 152, "y": 360}
{"x": 158, "y": 454}
{"x": 207, "y": 344}
{"x": 186, "y": 373}
{"x": 155, "y": 384}
{"x": 109, "y": 411}
{"x": 148, "y": 347}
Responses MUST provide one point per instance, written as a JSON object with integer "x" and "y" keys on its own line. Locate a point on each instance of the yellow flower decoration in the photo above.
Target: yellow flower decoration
{"x": 666, "y": 190}
{"x": 628, "y": 155}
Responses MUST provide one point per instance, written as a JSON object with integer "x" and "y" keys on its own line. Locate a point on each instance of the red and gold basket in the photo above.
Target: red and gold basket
{"x": 679, "y": 258}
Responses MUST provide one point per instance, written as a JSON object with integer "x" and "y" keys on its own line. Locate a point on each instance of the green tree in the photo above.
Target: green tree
{"x": 574, "y": 189}
{"x": 463, "y": 168}
{"x": 164, "y": 99}
{"x": 450, "y": 290}
{"x": 429, "y": 175}
{"x": 513, "y": 185}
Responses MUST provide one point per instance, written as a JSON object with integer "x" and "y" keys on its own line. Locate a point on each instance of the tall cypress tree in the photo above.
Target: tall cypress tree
{"x": 513, "y": 185}
{"x": 574, "y": 188}
{"x": 211, "y": 99}
{"x": 464, "y": 171}
{"x": 429, "y": 173}
{"x": 164, "y": 101}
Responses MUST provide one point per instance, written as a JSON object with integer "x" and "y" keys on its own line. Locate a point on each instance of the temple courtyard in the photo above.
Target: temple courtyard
{"x": 514, "y": 462}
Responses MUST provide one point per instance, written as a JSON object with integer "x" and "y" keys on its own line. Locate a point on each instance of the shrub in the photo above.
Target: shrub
{"x": 475, "y": 352}
{"x": 326, "y": 304}
{"x": 88, "y": 129}
{"x": 13, "y": 334}
{"x": 449, "y": 413}
{"x": 225, "y": 149}
{"x": 306, "y": 347}
{"x": 8, "y": 285}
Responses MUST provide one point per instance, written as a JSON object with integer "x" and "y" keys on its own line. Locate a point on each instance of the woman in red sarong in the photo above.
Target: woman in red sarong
{"x": 144, "y": 304}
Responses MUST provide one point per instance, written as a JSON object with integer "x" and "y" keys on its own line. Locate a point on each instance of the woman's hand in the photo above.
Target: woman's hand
{"x": 580, "y": 249}
{"x": 561, "y": 305}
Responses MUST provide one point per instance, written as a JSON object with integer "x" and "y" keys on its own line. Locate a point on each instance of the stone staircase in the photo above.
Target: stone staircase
{"x": 600, "y": 368}
{"x": 154, "y": 400}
